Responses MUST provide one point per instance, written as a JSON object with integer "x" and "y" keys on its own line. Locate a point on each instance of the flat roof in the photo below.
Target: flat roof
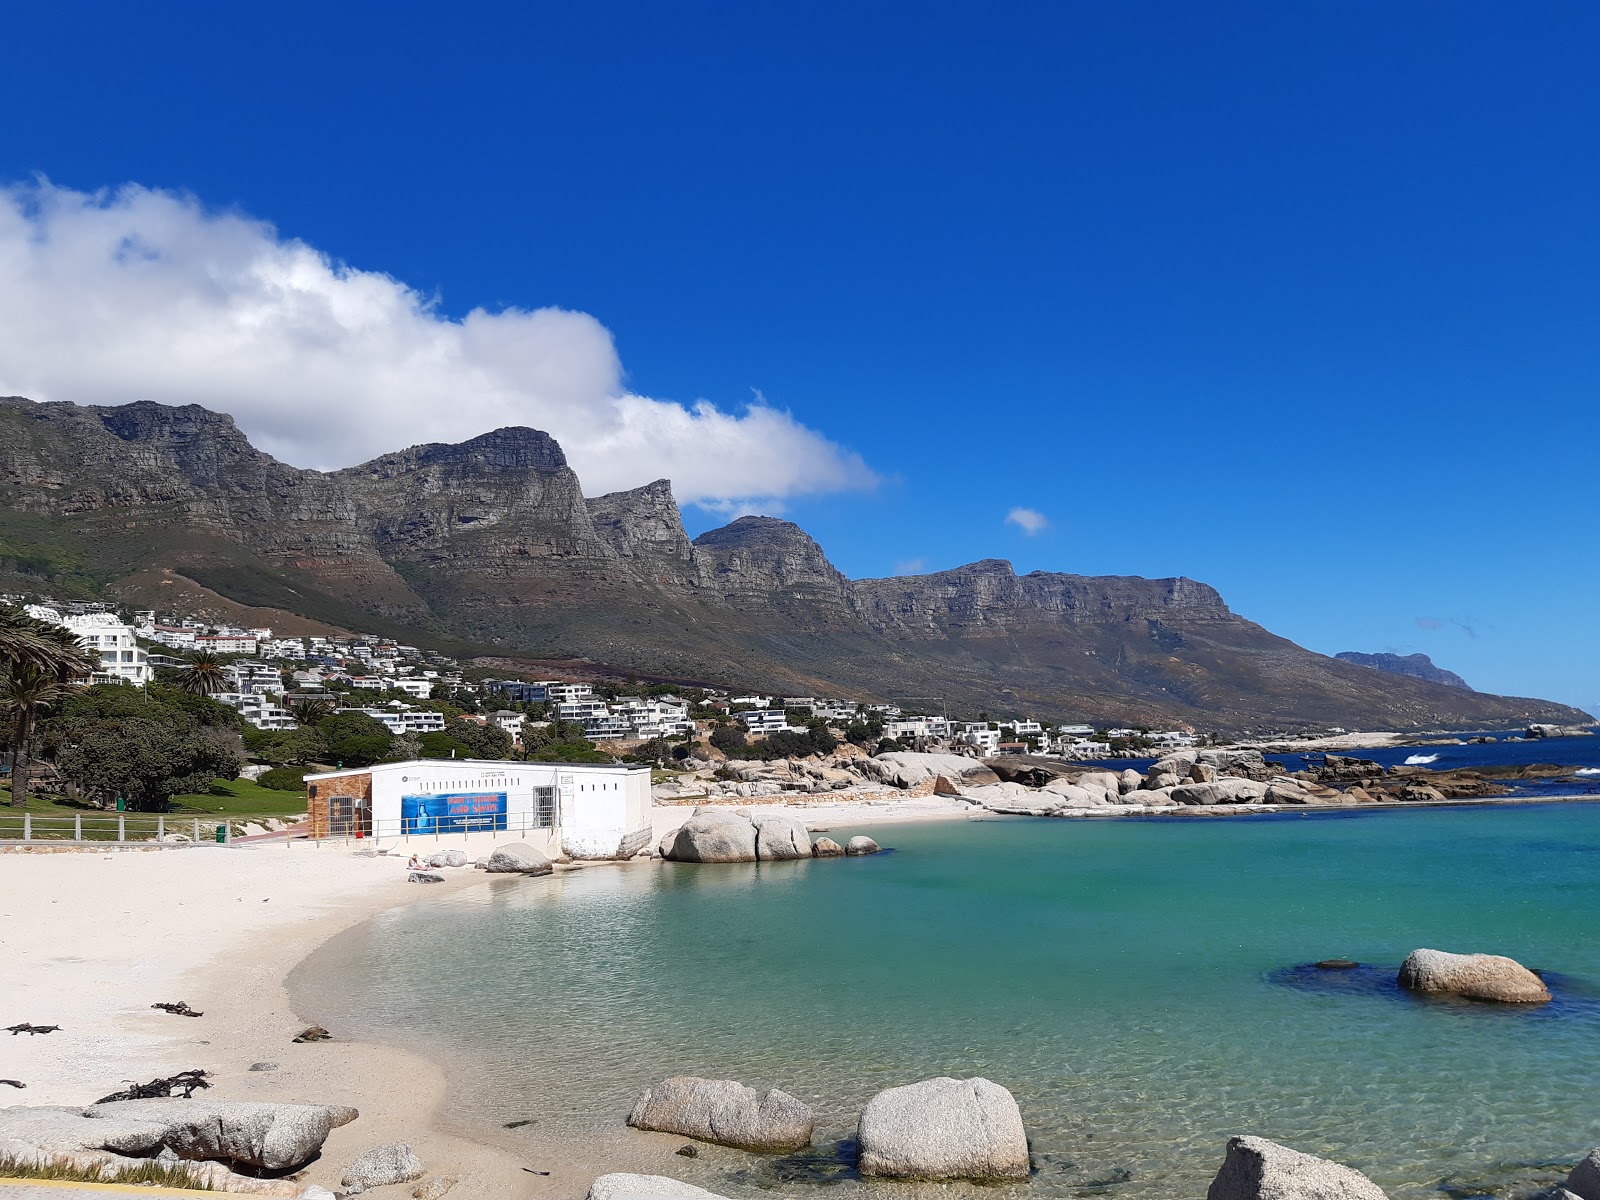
{"x": 476, "y": 763}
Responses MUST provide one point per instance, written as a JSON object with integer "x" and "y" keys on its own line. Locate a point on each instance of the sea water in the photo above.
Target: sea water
{"x": 1132, "y": 982}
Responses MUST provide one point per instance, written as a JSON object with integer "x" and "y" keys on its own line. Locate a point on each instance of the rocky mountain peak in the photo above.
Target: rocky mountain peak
{"x": 1417, "y": 666}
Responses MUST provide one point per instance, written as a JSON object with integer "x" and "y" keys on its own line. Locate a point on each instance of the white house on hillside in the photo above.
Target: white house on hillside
{"x": 121, "y": 660}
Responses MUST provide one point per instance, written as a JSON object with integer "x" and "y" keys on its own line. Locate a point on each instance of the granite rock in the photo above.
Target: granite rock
{"x": 1256, "y": 1169}
{"x": 1474, "y": 976}
{"x": 943, "y": 1129}
{"x": 725, "y": 1112}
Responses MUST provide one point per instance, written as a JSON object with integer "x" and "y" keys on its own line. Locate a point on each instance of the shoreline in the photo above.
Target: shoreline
{"x": 97, "y": 936}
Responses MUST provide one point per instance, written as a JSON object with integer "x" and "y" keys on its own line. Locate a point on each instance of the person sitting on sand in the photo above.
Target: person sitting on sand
{"x": 416, "y": 864}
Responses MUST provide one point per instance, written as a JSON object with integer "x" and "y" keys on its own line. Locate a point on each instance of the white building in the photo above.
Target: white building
{"x": 417, "y": 689}
{"x": 258, "y": 709}
{"x": 607, "y": 727}
{"x": 979, "y": 736}
{"x": 584, "y": 710}
{"x": 402, "y": 721}
{"x": 586, "y": 810}
{"x": 106, "y": 634}
{"x": 226, "y": 643}
{"x": 765, "y": 720}
{"x": 835, "y": 710}
{"x": 509, "y": 721}
{"x": 567, "y": 693}
{"x": 916, "y": 727}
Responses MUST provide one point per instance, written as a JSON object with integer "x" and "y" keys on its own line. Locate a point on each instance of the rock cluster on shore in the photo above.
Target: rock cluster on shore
{"x": 721, "y": 835}
{"x": 216, "y": 1134}
{"x": 1213, "y": 779}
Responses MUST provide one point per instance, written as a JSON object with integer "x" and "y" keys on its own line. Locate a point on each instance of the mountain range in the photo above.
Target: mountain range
{"x": 490, "y": 547}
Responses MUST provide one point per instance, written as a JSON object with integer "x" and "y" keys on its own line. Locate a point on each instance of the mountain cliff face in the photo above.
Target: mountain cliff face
{"x": 491, "y": 544}
{"x": 1417, "y": 666}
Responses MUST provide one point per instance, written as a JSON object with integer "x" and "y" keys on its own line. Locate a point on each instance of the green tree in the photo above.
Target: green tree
{"x": 279, "y": 746}
{"x": 355, "y": 739}
{"x": 730, "y": 739}
{"x": 145, "y": 761}
{"x": 204, "y": 675}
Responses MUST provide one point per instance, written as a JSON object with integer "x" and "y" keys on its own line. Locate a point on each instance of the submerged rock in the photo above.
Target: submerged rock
{"x": 620, "y": 1186}
{"x": 380, "y": 1166}
{"x": 943, "y": 1129}
{"x": 1474, "y": 976}
{"x": 1256, "y": 1169}
{"x": 725, "y": 1112}
{"x": 518, "y": 858}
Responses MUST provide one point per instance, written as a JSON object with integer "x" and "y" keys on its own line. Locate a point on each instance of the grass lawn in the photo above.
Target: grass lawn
{"x": 231, "y": 799}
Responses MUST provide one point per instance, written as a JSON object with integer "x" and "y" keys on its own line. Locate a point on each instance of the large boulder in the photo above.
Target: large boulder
{"x": 1030, "y": 769}
{"x": 1175, "y": 763}
{"x": 1585, "y": 1178}
{"x": 1239, "y": 764}
{"x": 448, "y": 858}
{"x": 621, "y": 1186}
{"x": 273, "y": 1137}
{"x": 1474, "y": 976}
{"x": 779, "y": 837}
{"x": 1015, "y": 798}
{"x": 713, "y": 836}
{"x": 1100, "y": 779}
{"x": 1256, "y": 1169}
{"x": 518, "y": 858}
{"x": 726, "y": 1112}
{"x": 943, "y": 1129}
{"x": 380, "y": 1166}
{"x": 1072, "y": 795}
{"x": 904, "y": 769}
{"x": 861, "y": 844}
{"x": 1223, "y": 791}
{"x": 826, "y": 847}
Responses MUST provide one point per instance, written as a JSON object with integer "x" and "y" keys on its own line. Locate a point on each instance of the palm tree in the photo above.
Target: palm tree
{"x": 204, "y": 675}
{"x": 28, "y": 641}
{"x": 309, "y": 713}
{"x": 25, "y": 693}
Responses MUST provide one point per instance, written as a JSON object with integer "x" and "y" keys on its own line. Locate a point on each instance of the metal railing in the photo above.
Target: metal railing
{"x": 113, "y": 827}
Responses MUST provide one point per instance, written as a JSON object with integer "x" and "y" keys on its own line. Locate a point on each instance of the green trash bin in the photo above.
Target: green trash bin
{"x": 222, "y": 833}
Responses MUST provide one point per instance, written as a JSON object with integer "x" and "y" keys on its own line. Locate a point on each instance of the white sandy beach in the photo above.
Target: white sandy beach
{"x": 91, "y": 939}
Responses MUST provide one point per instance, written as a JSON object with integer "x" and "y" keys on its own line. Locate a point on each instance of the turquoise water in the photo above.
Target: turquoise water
{"x": 1120, "y": 977}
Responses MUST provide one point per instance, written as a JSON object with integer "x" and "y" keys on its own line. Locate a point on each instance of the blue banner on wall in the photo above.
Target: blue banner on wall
{"x": 453, "y": 812}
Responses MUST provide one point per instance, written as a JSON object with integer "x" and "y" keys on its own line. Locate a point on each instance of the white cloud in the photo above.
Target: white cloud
{"x": 911, "y": 566}
{"x": 1028, "y": 520}
{"x": 140, "y": 294}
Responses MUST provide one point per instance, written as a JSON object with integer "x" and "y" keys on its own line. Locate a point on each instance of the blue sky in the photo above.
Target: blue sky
{"x": 1297, "y": 299}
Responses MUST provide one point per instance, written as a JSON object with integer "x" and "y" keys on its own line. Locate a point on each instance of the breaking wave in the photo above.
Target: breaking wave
{"x": 1422, "y": 760}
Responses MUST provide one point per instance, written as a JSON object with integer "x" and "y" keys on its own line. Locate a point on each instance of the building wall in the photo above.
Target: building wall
{"x": 319, "y": 793}
{"x": 599, "y": 811}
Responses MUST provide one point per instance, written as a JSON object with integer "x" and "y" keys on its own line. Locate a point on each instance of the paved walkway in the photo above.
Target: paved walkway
{"x": 27, "y": 1190}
